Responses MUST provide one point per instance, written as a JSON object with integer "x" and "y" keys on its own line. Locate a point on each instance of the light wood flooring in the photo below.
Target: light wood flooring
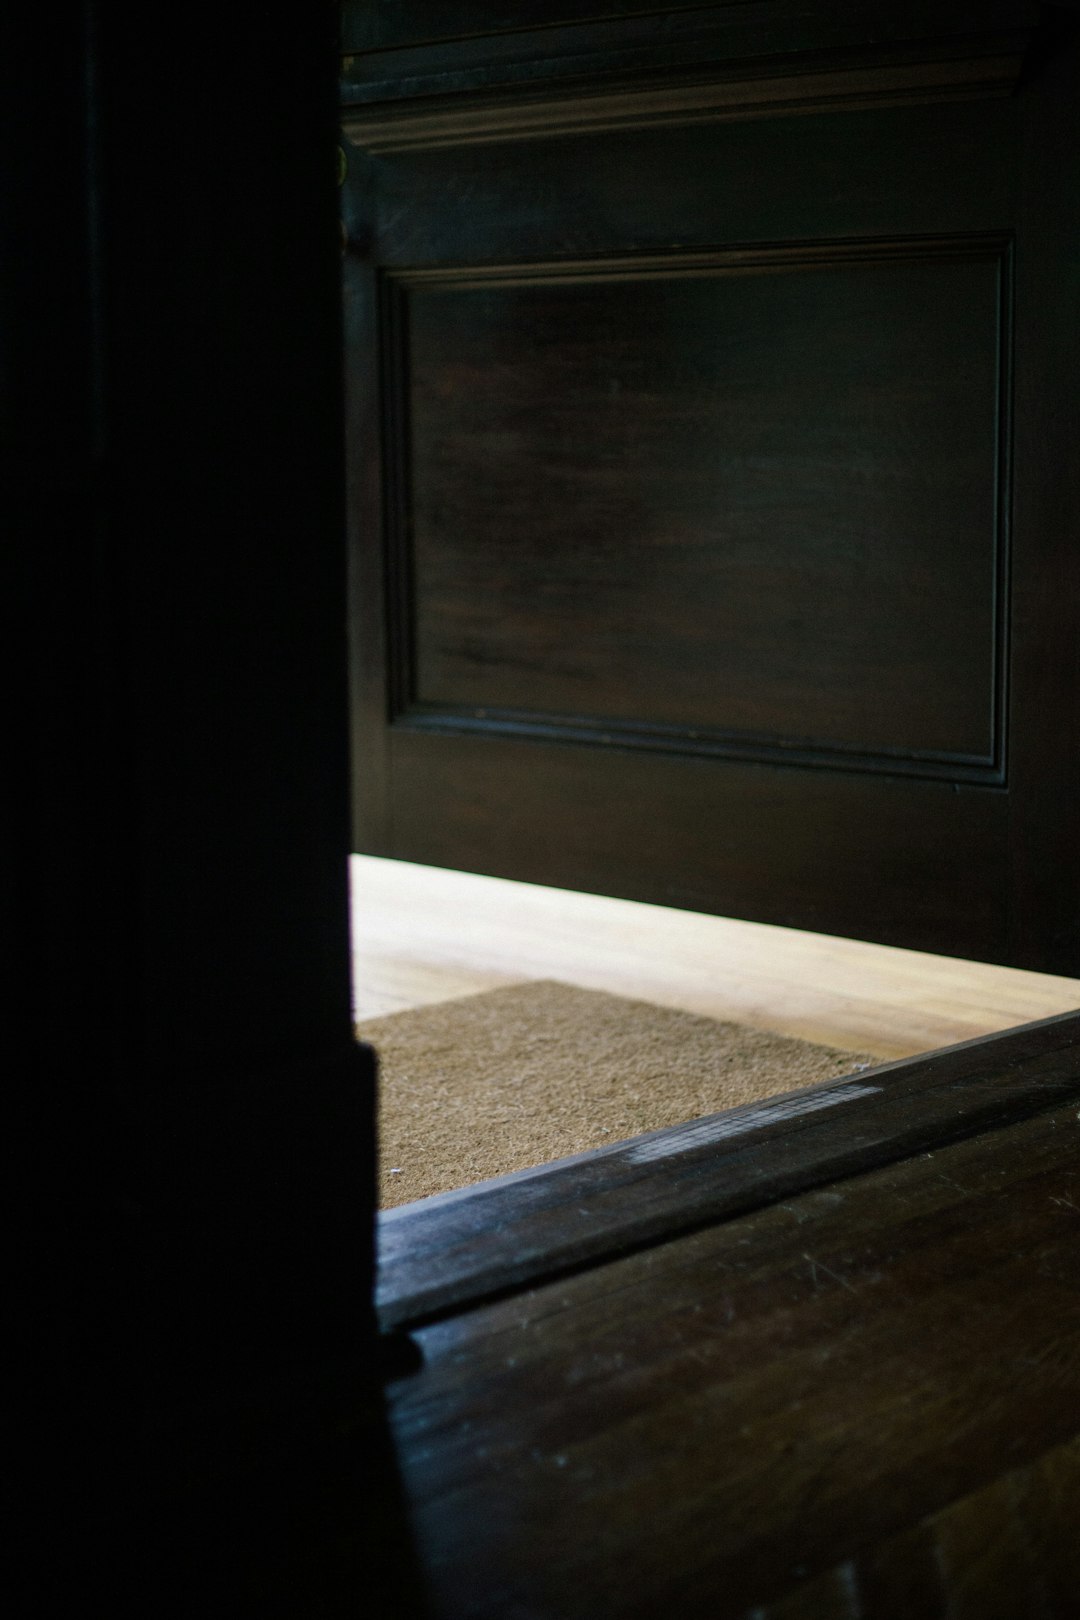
{"x": 422, "y": 934}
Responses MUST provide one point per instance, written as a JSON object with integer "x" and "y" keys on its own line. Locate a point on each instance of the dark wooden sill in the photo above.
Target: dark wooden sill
{"x": 455, "y": 1251}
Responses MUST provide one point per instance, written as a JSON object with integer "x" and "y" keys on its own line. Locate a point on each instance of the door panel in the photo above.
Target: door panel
{"x": 684, "y": 562}
{"x": 644, "y": 494}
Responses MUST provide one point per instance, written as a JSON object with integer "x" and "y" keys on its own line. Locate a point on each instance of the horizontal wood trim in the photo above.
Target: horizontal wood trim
{"x": 678, "y": 263}
{"x": 470, "y": 119}
{"x": 458, "y": 1249}
{"x": 603, "y": 731}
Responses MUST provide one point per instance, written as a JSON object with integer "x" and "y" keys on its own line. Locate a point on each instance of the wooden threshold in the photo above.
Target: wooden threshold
{"x": 460, "y": 1249}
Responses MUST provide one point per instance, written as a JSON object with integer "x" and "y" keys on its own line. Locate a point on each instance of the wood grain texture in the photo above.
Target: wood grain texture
{"x": 1007, "y": 1550}
{"x": 651, "y": 190}
{"x": 709, "y": 1426}
{"x": 454, "y": 1249}
{"x": 421, "y": 934}
{"x": 833, "y": 851}
{"x": 739, "y": 502}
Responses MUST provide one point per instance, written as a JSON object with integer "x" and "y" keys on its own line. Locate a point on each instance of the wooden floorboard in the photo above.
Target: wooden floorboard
{"x": 861, "y": 1402}
{"x": 1009, "y": 1551}
{"x": 422, "y": 934}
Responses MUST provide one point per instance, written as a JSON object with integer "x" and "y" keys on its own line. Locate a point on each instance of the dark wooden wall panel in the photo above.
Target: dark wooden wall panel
{"x": 373, "y": 25}
{"x": 838, "y": 175}
{"x": 857, "y": 855}
{"x": 1044, "y": 676}
{"x": 395, "y": 51}
{"x": 648, "y": 494}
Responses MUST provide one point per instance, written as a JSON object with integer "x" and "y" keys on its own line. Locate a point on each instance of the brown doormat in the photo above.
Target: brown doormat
{"x": 519, "y": 1076}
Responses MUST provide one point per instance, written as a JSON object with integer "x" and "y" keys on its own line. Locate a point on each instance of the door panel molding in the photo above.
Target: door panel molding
{"x": 426, "y": 374}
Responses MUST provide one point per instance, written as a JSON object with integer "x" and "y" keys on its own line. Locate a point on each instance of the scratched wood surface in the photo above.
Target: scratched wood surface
{"x": 857, "y": 1404}
{"x": 441, "y": 1252}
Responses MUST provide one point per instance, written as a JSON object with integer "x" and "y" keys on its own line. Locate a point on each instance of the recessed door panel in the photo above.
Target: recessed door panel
{"x": 728, "y": 502}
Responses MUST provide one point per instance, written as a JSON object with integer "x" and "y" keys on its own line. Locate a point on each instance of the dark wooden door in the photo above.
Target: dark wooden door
{"x": 713, "y": 483}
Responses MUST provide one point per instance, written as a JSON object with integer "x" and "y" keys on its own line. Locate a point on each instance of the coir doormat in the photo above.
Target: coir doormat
{"x": 510, "y": 1078}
